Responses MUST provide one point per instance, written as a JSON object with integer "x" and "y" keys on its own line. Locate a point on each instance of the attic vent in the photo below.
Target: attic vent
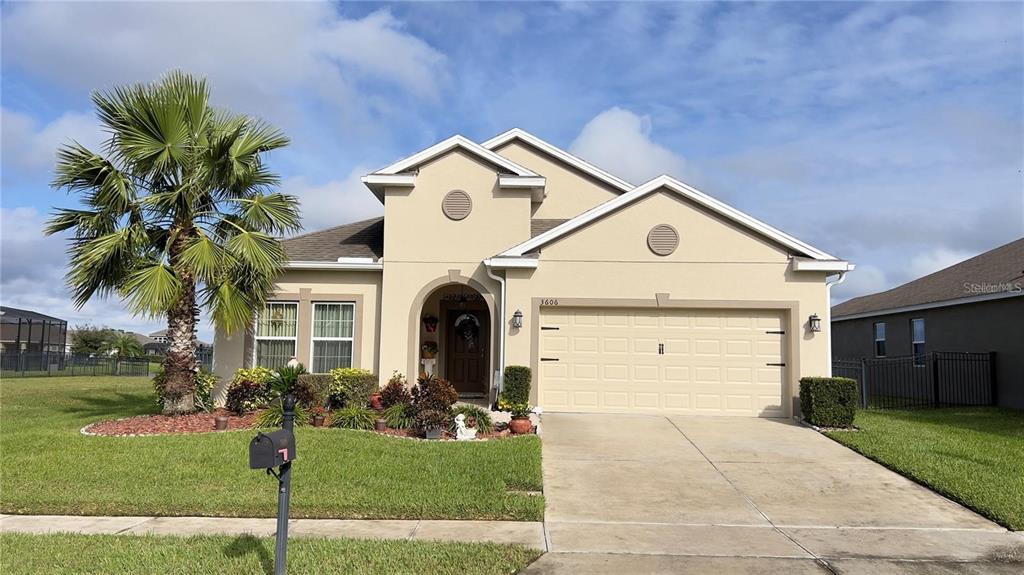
{"x": 456, "y": 205}
{"x": 663, "y": 239}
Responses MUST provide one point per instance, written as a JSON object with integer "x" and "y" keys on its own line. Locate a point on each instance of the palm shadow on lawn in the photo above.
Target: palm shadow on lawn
{"x": 111, "y": 405}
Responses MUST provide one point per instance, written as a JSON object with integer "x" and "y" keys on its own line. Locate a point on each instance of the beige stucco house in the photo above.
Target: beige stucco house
{"x": 654, "y": 298}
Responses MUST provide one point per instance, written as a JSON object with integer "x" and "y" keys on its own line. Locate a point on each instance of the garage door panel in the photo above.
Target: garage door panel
{"x": 712, "y": 361}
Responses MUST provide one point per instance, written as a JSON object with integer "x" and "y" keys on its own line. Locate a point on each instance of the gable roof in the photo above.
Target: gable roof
{"x": 559, "y": 154}
{"x": 1000, "y": 269}
{"x": 443, "y": 147}
{"x": 9, "y": 314}
{"x": 363, "y": 239}
{"x": 673, "y": 185}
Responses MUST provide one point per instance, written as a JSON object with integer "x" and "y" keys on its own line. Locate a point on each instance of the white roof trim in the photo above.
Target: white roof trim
{"x": 448, "y": 145}
{"x": 578, "y": 163}
{"x": 522, "y": 182}
{"x": 682, "y": 189}
{"x": 506, "y": 263}
{"x": 367, "y": 265}
{"x": 395, "y": 180}
{"x": 931, "y": 305}
{"x": 811, "y": 265}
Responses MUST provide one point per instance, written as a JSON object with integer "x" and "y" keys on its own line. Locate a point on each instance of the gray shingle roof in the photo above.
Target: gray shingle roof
{"x": 539, "y": 225}
{"x": 363, "y": 239}
{"x": 1003, "y": 265}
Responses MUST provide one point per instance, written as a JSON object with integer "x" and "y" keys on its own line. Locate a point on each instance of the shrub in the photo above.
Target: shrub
{"x": 481, "y": 415}
{"x": 205, "y": 382}
{"x": 313, "y": 389}
{"x": 400, "y": 416}
{"x": 432, "y": 400}
{"x": 352, "y": 386}
{"x": 274, "y": 415}
{"x": 247, "y": 395}
{"x": 354, "y": 417}
{"x": 259, "y": 375}
{"x": 516, "y": 387}
{"x": 395, "y": 392}
{"x": 284, "y": 381}
{"x": 828, "y": 401}
{"x": 519, "y": 409}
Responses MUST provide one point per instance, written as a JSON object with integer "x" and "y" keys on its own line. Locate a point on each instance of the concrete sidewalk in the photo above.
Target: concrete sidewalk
{"x": 530, "y": 534}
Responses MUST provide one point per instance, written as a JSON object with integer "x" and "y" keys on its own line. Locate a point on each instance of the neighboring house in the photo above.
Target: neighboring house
{"x": 653, "y": 298}
{"x": 976, "y": 305}
{"x": 31, "y": 332}
{"x": 159, "y": 336}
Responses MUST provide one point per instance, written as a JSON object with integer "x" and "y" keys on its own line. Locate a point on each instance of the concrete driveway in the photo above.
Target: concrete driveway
{"x": 648, "y": 494}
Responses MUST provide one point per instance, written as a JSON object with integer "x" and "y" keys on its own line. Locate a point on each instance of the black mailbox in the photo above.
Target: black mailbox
{"x": 272, "y": 449}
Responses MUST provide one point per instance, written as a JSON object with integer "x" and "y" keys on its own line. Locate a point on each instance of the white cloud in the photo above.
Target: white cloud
{"x": 28, "y": 147}
{"x": 335, "y": 202}
{"x": 258, "y": 56}
{"x": 865, "y": 279}
{"x": 619, "y": 141}
{"x": 934, "y": 260}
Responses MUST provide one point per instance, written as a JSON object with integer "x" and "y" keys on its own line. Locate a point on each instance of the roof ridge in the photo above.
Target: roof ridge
{"x": 332, "y": 228}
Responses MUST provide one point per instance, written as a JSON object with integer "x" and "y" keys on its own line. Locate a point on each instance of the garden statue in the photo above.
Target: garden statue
{"x": 463, "y": 433}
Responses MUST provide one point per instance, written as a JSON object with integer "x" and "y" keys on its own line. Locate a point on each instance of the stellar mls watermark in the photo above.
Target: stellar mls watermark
{"x": 982, "y": 288}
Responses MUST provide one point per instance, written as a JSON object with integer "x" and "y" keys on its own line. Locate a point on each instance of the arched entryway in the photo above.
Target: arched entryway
{"x": 456, "y": 320}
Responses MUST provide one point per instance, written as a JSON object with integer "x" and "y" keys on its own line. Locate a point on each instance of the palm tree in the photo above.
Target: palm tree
{"x": 123, "y": 345}
{"x": 179, "y": 213}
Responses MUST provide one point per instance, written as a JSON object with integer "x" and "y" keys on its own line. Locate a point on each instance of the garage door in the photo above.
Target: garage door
{"x": 712, "y": 362}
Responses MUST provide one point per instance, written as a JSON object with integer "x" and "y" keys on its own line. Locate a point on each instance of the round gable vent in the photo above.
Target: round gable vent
{"x": 663, "y": 239}
{"x": 456, "y": 205}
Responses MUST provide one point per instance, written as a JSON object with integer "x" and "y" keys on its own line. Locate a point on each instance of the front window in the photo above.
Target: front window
{"x": 333, "y": 325}
{"x": 276, "y": 333}
{"x": 879, "y": 339}
{"x": 917, "y": 340}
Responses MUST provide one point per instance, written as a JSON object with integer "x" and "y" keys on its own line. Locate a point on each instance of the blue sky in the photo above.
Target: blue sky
{"x": 889, "y": 134}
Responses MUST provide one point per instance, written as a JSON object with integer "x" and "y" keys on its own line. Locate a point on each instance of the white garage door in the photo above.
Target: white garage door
{"x": 692, "y": 361}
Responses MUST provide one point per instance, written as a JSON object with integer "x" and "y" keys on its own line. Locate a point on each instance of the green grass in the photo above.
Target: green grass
{"x": 972, "y": 455}
{"x": 121, "y": 554}
{"x": 50, "y": 468}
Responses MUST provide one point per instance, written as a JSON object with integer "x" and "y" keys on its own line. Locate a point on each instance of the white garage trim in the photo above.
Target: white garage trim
{"x": 789, "y": 310}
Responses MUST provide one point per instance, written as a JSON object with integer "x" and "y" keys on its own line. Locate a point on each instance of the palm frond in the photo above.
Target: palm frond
{"x": 152, "y": 289}
{"x": 275, "y": 213}
{"x": 204, "y": 257}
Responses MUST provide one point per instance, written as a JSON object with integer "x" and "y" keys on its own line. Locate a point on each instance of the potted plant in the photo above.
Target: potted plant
{"x": 220, "y": 422}
{"x": 375, "y": 401}
{"x": 520, "y": 423}
{"x": 429, "y": 349}
{"x": 319, "y": 416}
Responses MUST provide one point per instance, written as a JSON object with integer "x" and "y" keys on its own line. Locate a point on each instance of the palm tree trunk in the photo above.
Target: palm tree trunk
{"x": 180, "y": 365}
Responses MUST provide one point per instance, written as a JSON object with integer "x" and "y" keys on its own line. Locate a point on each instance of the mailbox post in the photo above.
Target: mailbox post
{"x": 277, "y": 448}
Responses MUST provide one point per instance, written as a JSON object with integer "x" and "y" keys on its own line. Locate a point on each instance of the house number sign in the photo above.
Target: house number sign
{"x": 547, "y": 301}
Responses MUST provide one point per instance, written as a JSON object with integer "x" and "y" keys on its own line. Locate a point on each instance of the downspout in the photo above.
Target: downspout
{"x": 500, "y": 375}
{"x": 828, "y": 315}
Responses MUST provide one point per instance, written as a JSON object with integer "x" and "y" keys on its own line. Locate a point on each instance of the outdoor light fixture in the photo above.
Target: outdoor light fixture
{"x": 517, "y": 319}
{"x": 814, "y": 322}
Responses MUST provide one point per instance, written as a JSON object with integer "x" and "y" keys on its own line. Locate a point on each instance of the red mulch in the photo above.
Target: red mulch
{"x": 159, "y": 424}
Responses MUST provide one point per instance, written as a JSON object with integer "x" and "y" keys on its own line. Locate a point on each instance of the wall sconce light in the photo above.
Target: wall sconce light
{"x": 814, "y": 322}
{"x": 517, "y": 319}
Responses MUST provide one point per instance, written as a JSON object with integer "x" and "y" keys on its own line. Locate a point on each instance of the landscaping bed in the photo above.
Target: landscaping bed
{"x": 119, "y": 554}
{"x": 974, "y": 456}
{"x": 162, "y": 424}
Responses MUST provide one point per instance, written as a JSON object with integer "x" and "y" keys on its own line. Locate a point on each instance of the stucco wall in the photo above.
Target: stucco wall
{"x": 569, "y": 191}
{"x": 979, "y": 327}
{"x": 716, "y": 264}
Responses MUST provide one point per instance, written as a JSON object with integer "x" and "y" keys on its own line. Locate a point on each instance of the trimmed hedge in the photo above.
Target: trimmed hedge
{"x": 829, "y": 401}
{"x": 352, "y": 387}
{"x": 313, "y": 389}
{"x": 517, "y": 385}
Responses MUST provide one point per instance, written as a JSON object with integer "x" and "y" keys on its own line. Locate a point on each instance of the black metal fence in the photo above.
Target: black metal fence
{"x": 42, "y": 364}
{"x": 936, "y": 379}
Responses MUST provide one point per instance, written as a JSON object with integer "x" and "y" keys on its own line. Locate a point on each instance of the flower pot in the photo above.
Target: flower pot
{"x": 434, "y": 432}
{"x": 220, "y": 423}
{"x": 318, "y": 420}
{"x": 375, "y": 402}
{"x": 380, "y": 425}
{"x": 520, "y": 425}
{"x": 429, "y": 354}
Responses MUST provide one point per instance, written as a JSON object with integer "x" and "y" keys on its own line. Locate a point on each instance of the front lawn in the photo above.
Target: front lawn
{"x": 972, "y": 455}
{"x": 50, "y": 468}
{"x": 32, "y": 554}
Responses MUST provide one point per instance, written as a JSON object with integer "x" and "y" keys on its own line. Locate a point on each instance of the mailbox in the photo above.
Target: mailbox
{"x": 272, "y": 449}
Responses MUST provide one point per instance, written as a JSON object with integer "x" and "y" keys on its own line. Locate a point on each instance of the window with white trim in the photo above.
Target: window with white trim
{"x": 276, "y": 334}
{"x": 333, "y": 326}
{"x": 917, "y": 340}
{"x": 879, "y": 331}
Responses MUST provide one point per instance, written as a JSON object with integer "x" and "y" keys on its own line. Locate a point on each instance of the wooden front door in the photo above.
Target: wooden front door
{"x": 467, "y": 335}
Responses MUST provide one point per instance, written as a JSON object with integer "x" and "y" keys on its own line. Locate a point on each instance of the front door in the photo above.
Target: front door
{"x": 467, "y": 335}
